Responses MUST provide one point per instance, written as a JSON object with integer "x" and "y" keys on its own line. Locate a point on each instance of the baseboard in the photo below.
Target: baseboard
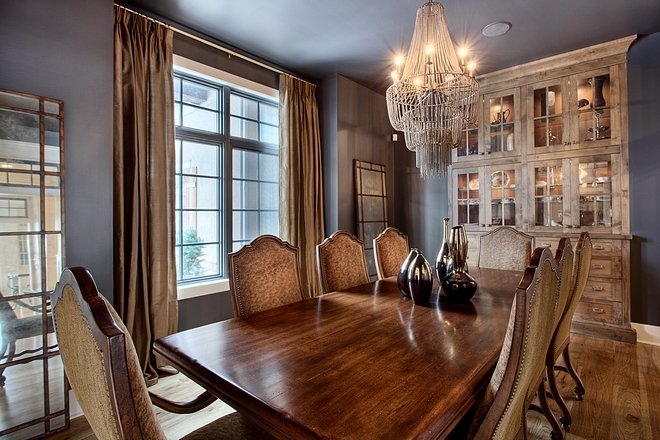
{"x": 647, "y": 334}
{"x": 74, "y": 407}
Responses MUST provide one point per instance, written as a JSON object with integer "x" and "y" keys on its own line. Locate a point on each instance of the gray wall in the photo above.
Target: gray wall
{"x": 355, "y": 125}
{"x": 644, "y": 138}
{"x": 63, "y": 49}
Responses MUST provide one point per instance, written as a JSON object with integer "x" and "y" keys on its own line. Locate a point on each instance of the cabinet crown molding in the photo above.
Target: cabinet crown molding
{"x": 568, "y": 60}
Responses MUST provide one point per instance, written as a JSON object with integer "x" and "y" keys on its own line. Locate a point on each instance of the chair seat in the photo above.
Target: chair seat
{"x": 230, "y": 427}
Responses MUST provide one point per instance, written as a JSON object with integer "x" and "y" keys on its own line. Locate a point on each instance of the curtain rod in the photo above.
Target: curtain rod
{"x": 215, "y": 45}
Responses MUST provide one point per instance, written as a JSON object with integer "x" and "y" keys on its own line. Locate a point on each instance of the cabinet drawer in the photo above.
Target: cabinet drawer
{"x": 605, "y": 267}
{"x": 606, "y": 247}
{"x": 594, "y": 312}
{"x": 552, "y": 243}
{"x": 602, "y": 290}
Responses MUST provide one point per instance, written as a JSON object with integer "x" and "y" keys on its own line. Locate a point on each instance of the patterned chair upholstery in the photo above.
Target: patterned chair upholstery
{"x": 264, "y": 274}
{"x": 505, "y": 248}
{"x": 501, "y": 414}
{"x": 341, "y": 262}
{"x": 390, "y": 249}
{"x": 562, "y": 338}
{"x": 104, "y": 372}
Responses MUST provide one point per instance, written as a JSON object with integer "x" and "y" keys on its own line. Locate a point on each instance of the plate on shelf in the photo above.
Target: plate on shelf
{"x": 474, "y": 184}
{"x": 497, "y": 177}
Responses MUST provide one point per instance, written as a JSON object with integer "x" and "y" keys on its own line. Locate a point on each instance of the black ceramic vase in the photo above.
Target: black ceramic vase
{"x": 402, "y": 276}
{"x": 443, "y": 255}
{"x": 458, "y": 284}
{"x": 420, "y": 280}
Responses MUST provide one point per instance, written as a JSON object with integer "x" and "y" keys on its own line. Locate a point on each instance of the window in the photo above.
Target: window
{"x": 16, "y": 208}
{"x": 226, "y": 172}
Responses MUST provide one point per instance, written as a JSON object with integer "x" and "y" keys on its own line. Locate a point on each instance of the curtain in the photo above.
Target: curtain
{"x": 144, "y": 228}
{"x": 301, "y": 176}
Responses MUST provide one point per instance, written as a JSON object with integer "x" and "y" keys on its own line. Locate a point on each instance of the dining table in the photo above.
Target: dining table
{"x": 361, "y": 363}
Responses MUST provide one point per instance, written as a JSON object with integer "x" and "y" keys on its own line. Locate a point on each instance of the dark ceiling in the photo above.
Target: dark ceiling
{"x": 360, "y": 38}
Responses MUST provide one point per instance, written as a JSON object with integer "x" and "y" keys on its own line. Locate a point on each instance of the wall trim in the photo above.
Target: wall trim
{"x": 647, "y": 334}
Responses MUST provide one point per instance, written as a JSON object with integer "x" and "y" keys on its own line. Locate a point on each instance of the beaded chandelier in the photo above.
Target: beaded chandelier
{"x": 433, "y": 98}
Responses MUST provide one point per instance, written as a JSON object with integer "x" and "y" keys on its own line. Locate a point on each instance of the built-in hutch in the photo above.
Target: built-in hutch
{"x": 549, "y": 156}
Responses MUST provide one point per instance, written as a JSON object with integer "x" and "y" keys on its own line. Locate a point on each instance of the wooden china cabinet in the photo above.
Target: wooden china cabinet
{"x": 549, "y": 156}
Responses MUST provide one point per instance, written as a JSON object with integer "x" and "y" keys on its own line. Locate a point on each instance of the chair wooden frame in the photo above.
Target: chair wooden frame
{"x": 504, "y": 229}
{"x": 324, "y": 265}
{"x": 241, "y": 288}
{"x": 385, "y": 264}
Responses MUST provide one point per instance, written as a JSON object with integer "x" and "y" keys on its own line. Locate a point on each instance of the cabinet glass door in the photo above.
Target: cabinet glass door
{"x": 595, "y": 194}
{"x": 502, "y": 114}
{"x": 548, "y": 190}
{"x": 594, "y": 110}
{"x": 548, "y": 116}
{"x": 469, "y": 142}
{"x": 467, "y": 198}
{"x": 502, "y": 197}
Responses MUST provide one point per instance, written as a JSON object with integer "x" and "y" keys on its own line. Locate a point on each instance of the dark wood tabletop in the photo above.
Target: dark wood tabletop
{"x": 365, "y": 363}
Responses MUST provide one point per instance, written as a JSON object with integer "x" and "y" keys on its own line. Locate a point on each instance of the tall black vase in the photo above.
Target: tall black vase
{"x": 458, "y": 284}
{"x": 443, "y": 254}
{"x": 420, "y": 280}
{"x": 402, "y": 276}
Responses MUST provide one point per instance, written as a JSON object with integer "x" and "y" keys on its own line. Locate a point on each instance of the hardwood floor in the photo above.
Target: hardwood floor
{"x": 622, "y": 399}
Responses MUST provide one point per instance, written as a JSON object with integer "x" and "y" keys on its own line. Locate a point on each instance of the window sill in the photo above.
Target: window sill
{"x": 200, "y": 289}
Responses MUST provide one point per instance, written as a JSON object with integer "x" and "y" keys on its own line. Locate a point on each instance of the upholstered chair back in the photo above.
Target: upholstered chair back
{"x": 100, "y": 361}
{"x": 564, "y": 258}
{"x": 583, "y": 252}
{"x": 505, "y": 248}
{"x": 341, "y": 262}
{"x": 264, "y": 274}
{"x": 390, "y": 249}
{"x": 501, "y": 414}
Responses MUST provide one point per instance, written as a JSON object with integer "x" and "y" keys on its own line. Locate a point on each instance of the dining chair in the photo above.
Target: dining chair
{"x": 564, "y": 259}
{"x": 263, "y": 275}
{"x": 505, "y": 248}
{"x": 341, "y": 262}
{"x": 104, "y": 372}
{"x": 390, "y": 249}
{"x": 562, "y": 337}
{"x": 14, "y": 328}
{"x": 501, "y": 414}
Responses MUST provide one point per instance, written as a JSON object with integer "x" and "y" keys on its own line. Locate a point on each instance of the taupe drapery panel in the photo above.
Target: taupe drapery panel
{"x": 301, "y": 176}
{"x": 144, "y": 228}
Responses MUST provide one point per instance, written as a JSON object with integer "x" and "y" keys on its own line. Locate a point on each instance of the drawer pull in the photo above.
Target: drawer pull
{"x": 597, "y": 288}
{"x": 597, "y": 266}
{"x": 598, "y": 310}
{"x": 598, "y": 247}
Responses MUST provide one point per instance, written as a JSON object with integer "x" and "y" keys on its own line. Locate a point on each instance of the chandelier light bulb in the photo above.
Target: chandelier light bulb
{"x": 471, "y": 66}
{"x": 429, "y": 49}
{"x": 462, "y": 52}
{"x": 398, "y": 60}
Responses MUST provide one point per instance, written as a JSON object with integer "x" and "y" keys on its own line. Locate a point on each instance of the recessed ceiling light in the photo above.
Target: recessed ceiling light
{"x": 496, "y": 28}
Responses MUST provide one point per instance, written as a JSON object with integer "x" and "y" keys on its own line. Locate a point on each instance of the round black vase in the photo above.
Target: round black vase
{"x": 420, "y": 280}
{"x": 402, "y": 276}
{"x": 459, "y": 286}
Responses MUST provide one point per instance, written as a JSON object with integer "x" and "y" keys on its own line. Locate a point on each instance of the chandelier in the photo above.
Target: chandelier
{"x": 433, "y": 98}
